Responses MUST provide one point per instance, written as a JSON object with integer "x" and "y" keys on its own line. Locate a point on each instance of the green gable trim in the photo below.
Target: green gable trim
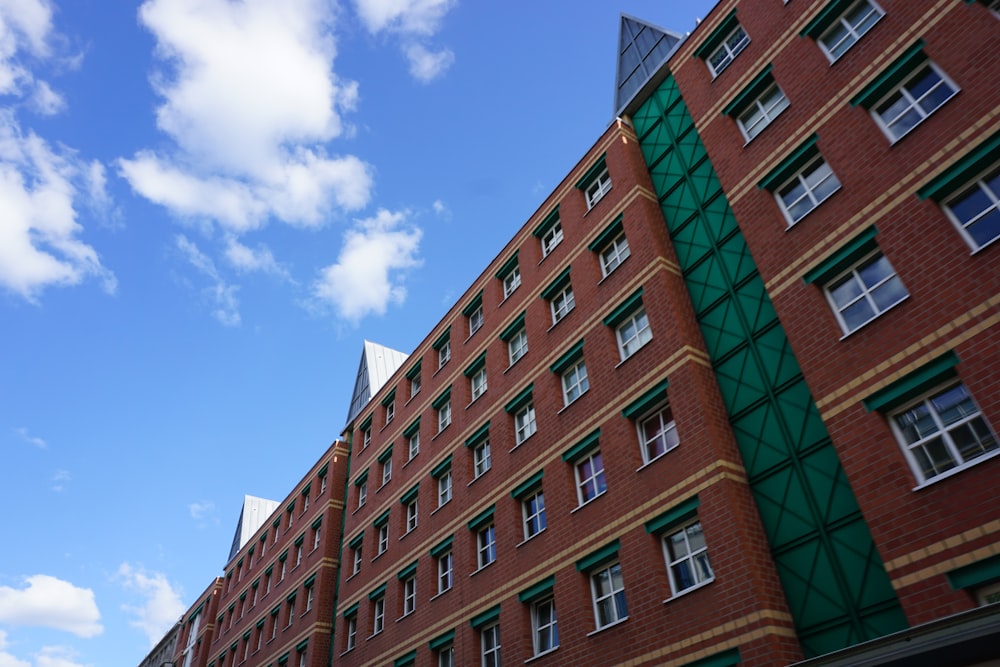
{"x": 491, "y": 615}
{"x": 386, "y": 455}
{"x": 412, "y": 428}
{"x": 301, "y": 646}
{"x": 246, "y": 635}
{"x": 571, "y": 355}
{"x": 291, "y": 507}
{"x": 891, "y": 76}
{"x": 536, "y": 592}
{"x": 415, "y": 370}
{"x": 442, "y": 641}
{"x": 291, "y": 596}
{"x": 521, "y": 400}
{"x": 602, "y": 556}
{"x": 362, "y": 478}
{"x": 481, "y": 434}
{"x": 381, "y": 519}
{"x": 545, "y": 225}
{"x": 513, "y": 327}
{"x": 716, "y": 37}
{"x": 315, "y": 524}
{"x": 595, "y": 170}
{"x": 474, "y": 305}
{"x": 650, "y": 398}
{"x": 679, "y": 512}
{"x": 726, "y": 658}
{"x": 284, "y": 658}
{"x": 843, "y": 257}
{"x": 405, "y": 659}
{"x": 557, "y": 285}
{"x": 825, "y": 18}
{"x": 410, "y": 495}
{"x": 277, "y": 608}
{"x": 441, "y": 468}
{"x": 442, "y": 547}
{"x": 376, "y": 593}
{"x": 477, "y": 363}
{"x": 299, "y": 540}
{"x": 407, "y": 571}
{"x": 260, "y": 623}
{"x": 367, "y": 423}
{"x": 269, "y": 570}
{"x": 791, "y": 165}
{"x": 508, "y": 266}
{"x": 352, "y": 610}
{"x": 577, "y": 451}
{"x": 356, "y": 540}
{"x": 912, "y": 384}
{"x": 527, "y": 485}
{"x": 310, "y": 580}
{"x": 390, "y": 397}
{"x": 442, "y": 339}
{"x": 283, "y": 556}
{"x": 609, "y": 234}
{"x": 322, "y": 471}
{"x": 751, "y": 92}
{"x": 975, "y": 574}
{"x": 963, "y": 170}
{"x": 483, "y": 518}
{"x": 198, "y": 610}
{"x": 443, "y": 398}
{"x": 626, "y": 308}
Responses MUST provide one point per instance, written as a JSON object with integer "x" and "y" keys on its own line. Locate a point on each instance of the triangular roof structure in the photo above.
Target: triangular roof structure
{"x": 642, "y": 50}
{"x": 252, "y": 516}
{"x": 378, "y": 363}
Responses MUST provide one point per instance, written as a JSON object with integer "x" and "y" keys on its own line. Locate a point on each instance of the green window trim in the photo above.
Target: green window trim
{"x": 356, "y": 540}
{"x": 478, "y": 436}
{"x": 352, "y": 610}
{"x": 410, "y": 495}
{"x": 229, "y": 575}
{"x": 310, "y": 580}
{"x": 441, "y": 468}
{"x": 750, "y": 92}
{"x": 299, "y": 540}
{"x": 513, "y": 328}
{"x": 385, "y": 455}
{"x": 239, "y": 563}
{"x": 390, "y": 397}
{"x": 482, "y": 519}
{"x": 557, "y": 285}
{"x": 407, "y": 571}
{"x": 647, "y": 401}
{"x": 442, "y": 641}
{"x": 276, "y": 610}
{"x": 478, "y": 363}
{"x": 474, "y": 305}
{"x": 260, "y": 623}
{"x": 316, "y": 524}
{"x": 443, "y": 398}
{"x": 595, "y": 170}
{"x": 243, "y": 596}
{"x": 367, "y": 423}
{"x": 221, "y": 618}
{"x": 269, "y": 570}
{"x": 250, "y": 552}
{"x": 538, "y": 591}
{"x": 405, "y": 659}
{"x": 306, "y": 489}
{"x": 198, "y": 610}
{"x": 442, "y": 547}
{"x": 255, "y": 584}
{"x": 975, "y": 574}
{"x": 527, "y": 485}
{"x": 547, "y": 223}
{"x": 412, "y": 428}
{"x": 577, "y": 451}
{"x": 323, "y": 470}
{"x": 291, "y": 596}
{"x": 442, "y": 339}
{"x": 826, "y": 18}
{"x": 381, "y": 519}
{"x": 290, "y": 507}
{"x": 522, "y": 399}
{"x": 842, "y": 258}
{"x": 263, "y": 540}
{"x": 680, "y": 512}
{"x": 274, "y": 524}
{"x": 626, "y": 308}
{"x": 488, "y": 617}
{"x": 301, "y": 646}
{"x": 234, "y": 645}
{"x": 602, "y": 556}
{"x": 284, "y": 556}
{"x": 283, "y": 660}
{"x": 508, "y": 266}
{"x": 246, "y": 635}
{"x": 415, "y": 370}
{"x": 891, "y": 76}
{"x": 717, "y": 36}
{"x": 791, "y": 165}
{"x": 377, "y": 592}
{"x": 912, "y": 384}
{"x": 571, "y": 355}
{"x": 362, "y": 478}
{"x": 609, "y": 234}
{"x": 963, "y": 170}
{"x": 726, "y": 658}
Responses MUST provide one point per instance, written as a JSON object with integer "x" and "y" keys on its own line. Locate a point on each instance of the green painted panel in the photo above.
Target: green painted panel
{"x": 825, "y": 479}
{"x": 755, "y": 305}
{"x": 799, "y": 414}
{"x": 760, "y": 440}
{"x": 785, "y": 513}
{"x": 736, "y": 259}
{"x": 741, "y": 380}
{"x": 719, "y": 221}
{"x": 776, "y": 356}
{"x": 720, "y": 327}
{"x": 706, "y": 284}
{"x": 692, "y": 242}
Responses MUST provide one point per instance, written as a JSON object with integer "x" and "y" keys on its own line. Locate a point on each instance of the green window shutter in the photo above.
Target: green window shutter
{"x": 608, "y": 235}
{"x": 356, "y": 540}
{"x": 362, "y": 478}
{"x": 488, "y": 617}
{"x": 367, "y": 423}
{"x": 577, "y": 451}
{"x": 390, "y": 397}
{"x": 482, "y": 519}
{"x": 412, "y": 428}
{"x": 726, "y": 658}
{"x": 963, "y": 170}
{"x": 381, "y": 520}
{"x": 442, "y": 547}
{"x": 595, "y": 170}
{"x": 791, "y": 165}
{"x": 352, "y": 610}
{"x": 557, "y": 285}
{"x": 570, "y": 357}
{"x": 442, "y": 641}
{"x": 912, "y": 384}
{"x": 545, "y": 225}
{"x": 386, "y": 455}
{"x": 826, "y": 18}
{"x": 891, "y": 76}
{"x": 845, "y": 256}
{"x": 481, "y": 434}
{"x": 406, "y": 659}
{"x": 750, "y": 92}
{"x": 527, "y": 485}
{"x": 443, "y": 398}
{"x": 410, "y": 495}
{"x": 377, "y": 592}
{"x": 512, "y": 328}
{"x": 407, "y": 571}
{"x": 477, "y": 364}
{"x": 441, "y": 468}
{"x": 473, "y": 305}
{"x": 508, "y": 266}
{"x": 975, "y": 574}
{"x": 650, "y": 398}
{"x": 442, "y": 339}
{"x": 715, "y": 38}
{"x": 626, "y": 308}
{"x": 602, "y": 556}
{"x": 538, "y": 591}
{"x": 415, "y": 370}
{"x": 673, "y": 516}
{"x": 521, "y": 400}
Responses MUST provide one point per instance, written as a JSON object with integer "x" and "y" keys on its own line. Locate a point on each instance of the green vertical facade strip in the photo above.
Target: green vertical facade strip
{"x": 834, "y": 580}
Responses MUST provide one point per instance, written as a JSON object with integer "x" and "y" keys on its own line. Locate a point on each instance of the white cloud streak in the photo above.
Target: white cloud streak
{"x": 31, "y": 439}
{"x": 220, "y": 294}
{"x": 200, "y": 510}
{"x": 414, "y": 21}
{"x": 49, "y": 602}
{"x": 425, "y": 66}
{"x": 160, "y": 604}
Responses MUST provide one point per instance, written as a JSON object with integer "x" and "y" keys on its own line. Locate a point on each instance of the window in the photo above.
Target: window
{"x": 414, "y": 445}
{"x": 443, "y": 347}
{"x": 298, "y": 552}
{"x": 445, "y": 563}
{"x": 383, "y": 539}
{"x": 524, "y": 423}
{"x": 725, "y": 52}
{"x": 574, "y": 382}
{"x": 590, "y": 482}
{"x": 562, "y": 303}
{"x": 511, "y": 282}
{"x": 976, "y": 210}
{"x": 409, "y": 595}
{"x": 633, "y": 333}
{"x": 847, "y": 28}
{"x": 608, "y": 591}
{"x": 490, "y": 638}
{"x": 322, "y": 483}
{"x": 600, "y": 187}
{"x": 687, "y": 558}
{"x": 552, "y": 238}
{"x": 386, "y": 470}
{"x": 390, "y": 411}
{"x": 481, "y": 458}
{"x": 284, "y": 566}
{"x": 916, "y": 98}
{"x": 613, "y": 254}
{"x": 517, "y": 346}
{"x": 657, "y": 434}
{"x": 544, "y": 631}
{"x": 443, "y": 406}
{"x": 444, "y": 488}
{"x": 411, "y": 515}
{"x": 291, "y": 611}
{"x": 864, "y": 292}
{"x": 414, "y": 385}
{"x": 475, "y": 320}
{"x": 352, "y": 632}
{"x": 533, "y": 512}
{"x": 267, "y": 580}
{"x": 761, "y": 112}
{"x": 356, "y": 557}
{"x": 476, "y": 372}
{"x": 446, "y": 657}
{"x": 412, "y": 435}
{"x": 944, "y": 430}
{"x": 363, "y": 492}
{"x": 309, "y": 598}
{"x": 807, "y": 190}
{"x": 366, "y": 438}
{"x": 378, "y": 616}
{"x": 486, "y": 545}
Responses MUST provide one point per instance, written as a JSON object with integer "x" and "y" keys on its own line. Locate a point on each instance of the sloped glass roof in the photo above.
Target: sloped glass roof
{"x": 642, "y": 49}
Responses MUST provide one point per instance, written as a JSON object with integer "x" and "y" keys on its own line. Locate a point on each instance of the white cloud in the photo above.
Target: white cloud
{"x": 59, "y": 478}
{"x": 31, "y": 439}
{"x": 420, "y": 17}
{"x": 247, "y": 260}
{"x": 220, "y": 293}
{"x": 367, "y": 275}
{"x": 6, "y": 659}
{"x": 24, "y": 25}
{"x": 426, "y": 65}
{"x": 161, "y": 604}
{"x": 200, "y": 509}
{"x": 52, "y": 603}
{"x": 46, "y": 101}
{"x": 57, "y": 656}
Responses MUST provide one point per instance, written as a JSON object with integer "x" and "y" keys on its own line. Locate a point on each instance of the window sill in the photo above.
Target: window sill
{"x": 654, "y": 460}
{"x": 526, "y": 540}
{"x": 410, "y": 460}
{"x": 877, "y": 317}
{"x": 373, "y": 636}
{"x": 475, "y": 479}
{"x": 346, "y": 652}
{"x": 976, "y": 251}
{"x": 956, "y": 470}
{"x": 689, "y": 589}
{"x": 472, "y": 574}
{"x": 608, "y": 274}
{"x": 409, "y": 613}
{"x": 401, "y": 537}
{"x": 561, "y": 319}
{"x": 622, "y": 362}
{"x": 791, "y": 225}
{"x": 510, "y": 366}
{"x": 569, "y": 405}
{"x": 383, "y": 485}
{"x": 410, "y": 399}
{"x": 377, "y": 556}
{"x": 541, "y": 655}
{"x": 435, "y": 597}
{"x": 434, "y": 437}
{"x": 586, "y": 504}
{"x": 475, "y": 399}
{"x": 433, "y": 511}
{"x": 607, "y": 627}
{"x": 518, "y": 445}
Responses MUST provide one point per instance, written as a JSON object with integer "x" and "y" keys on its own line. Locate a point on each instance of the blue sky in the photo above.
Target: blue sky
{"x": 205, "y": 207}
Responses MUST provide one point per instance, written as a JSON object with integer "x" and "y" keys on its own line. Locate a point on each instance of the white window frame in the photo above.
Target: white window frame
{"x": 913, "y": 104}
{"x": 694, "y": 561}
{"x": 517, "y": 346}
{"x": 486, "y": 545}
{"x": 444, "y": 488}
{"x": 613, "y": 254}
{"x": 562, "y": 304}
{"x": 446, "y": 572}
{"x": 761, "y": 112}
{"x": 538, "y": 626}
{"x": 362, "y": 493}
{"x": 511, "y": 281}
{"x": 979, "y": 186}
{"x": 476, "y": 320}
{"x": 444, "y": 354}
{"x": 409, "y": 595}
{"x": 973, "y": 418}
{"x": 533, "y": 514}
{"x": 386, "y": 471}
{"x": 444, "y": 416}
{"x": 352, "y": 632}
{"x": 853, "y": 34}
{"x": 378, "y": 616}
{"x": 575, "y": 382}
{"x": 551, "y": 238}
{"x": 864, "y": 292}
{"x": 414, "y": 385}
{"x": 482, "y": 460}
{"x": 357, "y": 558}
{"x": 446, "y": 657}
{"x": 489, "y": 637}
{"x": 412, "y": 517}
{"x": 666, "y": 433}
{"x": 728, "y": 50}
{"x": 309, "y": 598}
{"x": 597, "y": 188}
{"x": 592, "y": 482}
{"x": 525, "y": 425}
{"x": 633, "y": 333}
{"x": 390, "y": 411}
{"x": 611, "y": 597}
{"x": 366, "y": 438}
{"x": 383, "y": 539}
{"x": 803, "y": 177}
{"x": 413, "y": 445}
{"x": 477, "y": 383}
{"x": 316, "y": 537}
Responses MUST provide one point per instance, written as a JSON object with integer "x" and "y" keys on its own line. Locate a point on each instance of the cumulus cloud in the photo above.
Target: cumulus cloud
{"x": 221, "y": 294}
{"x": 367, "y": 275}
{"x": 248, "y": 260}
{"x": 414, "y": 21}
{"x": 48, "y": 602}
{"x": 427, "y": 65}
{"x": 7, "y": 659}
{"x": 25, "y": 25}
{"x": 160, "y": 604}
